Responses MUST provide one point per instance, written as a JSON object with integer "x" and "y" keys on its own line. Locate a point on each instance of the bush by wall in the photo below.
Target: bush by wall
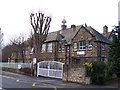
{"x": 27, "y": 71}
{"x": 98, "y": 71}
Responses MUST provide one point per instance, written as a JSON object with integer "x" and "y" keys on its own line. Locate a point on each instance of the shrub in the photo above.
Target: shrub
{"x": 98, "y": 71}
{"x": 89, "y": 68}
{"x": 114, "y": 53}
{"x": 26, "y": 70}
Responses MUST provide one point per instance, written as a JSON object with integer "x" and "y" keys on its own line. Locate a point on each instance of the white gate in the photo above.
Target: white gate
{"x": 52, "y": 69}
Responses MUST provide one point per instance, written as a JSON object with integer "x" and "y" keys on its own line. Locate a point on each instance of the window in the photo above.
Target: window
{"x": 68, "y": 49}
{"x": 82, "y": 45}
{"x": 61, "y": 48}
{"x": 89, "y": 44}
{"x": 102, "y": 47}
{"x": 43, "y": 48}
{"x": 49, "y": 47}
{"x": 75, "y": 47}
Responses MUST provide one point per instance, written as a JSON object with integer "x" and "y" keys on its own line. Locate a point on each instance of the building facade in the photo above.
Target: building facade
{"x": 75, "y": 45}
{"x": 72, "y": 45}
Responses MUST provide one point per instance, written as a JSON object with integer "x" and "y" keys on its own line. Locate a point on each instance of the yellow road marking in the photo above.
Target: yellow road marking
{"x": 17, "y": 80}
{"x": 11, "y": 78}
{"x": 55, "y": 88}
{"x": 34, "y": 84}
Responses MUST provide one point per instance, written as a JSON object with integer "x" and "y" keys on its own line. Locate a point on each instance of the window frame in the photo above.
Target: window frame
{"x": 75, "y": 46}
{"x": 90, "y": 46}
{"x": 43, "y": 48}
{"x": 49, "y": 47}
{"x": 61, "y": 48}
{"x": 102, "y": 47}
{"x": 82, "y": 45}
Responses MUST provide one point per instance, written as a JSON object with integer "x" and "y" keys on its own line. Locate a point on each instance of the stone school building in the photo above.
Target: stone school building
{"x": 69, "y": 48}
{"x": 76, "y": 44}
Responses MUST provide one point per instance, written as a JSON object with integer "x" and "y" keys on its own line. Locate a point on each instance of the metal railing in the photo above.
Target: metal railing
{"x": 15, "y": 65}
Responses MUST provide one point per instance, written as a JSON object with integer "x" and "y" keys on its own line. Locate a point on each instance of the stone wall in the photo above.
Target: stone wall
{"x": 75, "y": 73}
{"x": 26, "y": 71}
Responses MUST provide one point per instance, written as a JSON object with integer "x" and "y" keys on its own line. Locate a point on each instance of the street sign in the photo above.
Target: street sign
{"x": 19, "y": 66}
{"x": 34, "y": 60}
{"x": 80, "y": 52}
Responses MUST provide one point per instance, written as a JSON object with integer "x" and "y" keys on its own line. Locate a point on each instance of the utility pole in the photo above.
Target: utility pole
{"x": 119, "y": 13}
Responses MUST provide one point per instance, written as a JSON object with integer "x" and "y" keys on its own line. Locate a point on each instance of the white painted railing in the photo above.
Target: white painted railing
{"x": 15, "y": 65}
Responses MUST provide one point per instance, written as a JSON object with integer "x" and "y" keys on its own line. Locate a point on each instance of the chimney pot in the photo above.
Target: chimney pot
{"x": 73, "y": 26}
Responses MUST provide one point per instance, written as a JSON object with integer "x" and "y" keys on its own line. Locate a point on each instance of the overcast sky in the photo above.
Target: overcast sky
{"x": 15, "y": 14}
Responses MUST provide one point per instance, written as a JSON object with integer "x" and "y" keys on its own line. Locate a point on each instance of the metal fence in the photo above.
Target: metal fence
{"x": 15, "y": 65}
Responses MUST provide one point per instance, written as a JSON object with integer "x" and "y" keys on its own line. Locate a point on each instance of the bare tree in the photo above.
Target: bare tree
{"x": 19, "y": 42}
{"x": 7, "y": 52}
{"x": 40, "y": 24}
{"x": 1, "y": 38}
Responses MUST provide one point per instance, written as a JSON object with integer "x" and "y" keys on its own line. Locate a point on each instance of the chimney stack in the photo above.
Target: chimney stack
{"x": 105, "y": 31}
{"x": 73, "y": 27}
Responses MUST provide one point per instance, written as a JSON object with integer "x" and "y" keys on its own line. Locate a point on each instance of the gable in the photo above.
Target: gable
{"x": 82, "y": 34}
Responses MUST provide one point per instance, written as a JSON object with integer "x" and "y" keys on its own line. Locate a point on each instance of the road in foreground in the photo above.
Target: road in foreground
{"x": 15, "y": 81}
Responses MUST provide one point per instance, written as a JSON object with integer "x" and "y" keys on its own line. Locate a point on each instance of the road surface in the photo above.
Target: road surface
{"x": 17, "y": 81}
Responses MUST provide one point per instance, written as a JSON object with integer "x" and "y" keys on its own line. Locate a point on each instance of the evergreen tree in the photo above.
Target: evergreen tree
{"x": 114, "y": 52}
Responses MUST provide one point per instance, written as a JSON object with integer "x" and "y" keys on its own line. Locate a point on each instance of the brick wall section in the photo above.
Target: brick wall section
{"x": 75, "y": 73}
{"x": 48, "y": 55}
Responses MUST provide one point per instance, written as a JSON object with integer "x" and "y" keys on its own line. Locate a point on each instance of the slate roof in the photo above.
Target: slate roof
{"x": 51, "y": 37}
{"x": 99, "y": 37}
{"x": 69, "y": 33}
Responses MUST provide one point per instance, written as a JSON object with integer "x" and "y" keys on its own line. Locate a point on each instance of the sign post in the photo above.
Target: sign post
{"x": 119, "y": 13}
{"x": 34, "y": 62}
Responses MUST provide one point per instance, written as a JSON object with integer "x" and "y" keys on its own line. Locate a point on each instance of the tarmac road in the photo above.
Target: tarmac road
{"x": 17, "y": 81}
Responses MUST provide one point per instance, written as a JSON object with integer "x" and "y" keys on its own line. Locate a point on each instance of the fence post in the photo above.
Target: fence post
{"x": 37, "y": 69}
{"x": 48, "y": 68}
